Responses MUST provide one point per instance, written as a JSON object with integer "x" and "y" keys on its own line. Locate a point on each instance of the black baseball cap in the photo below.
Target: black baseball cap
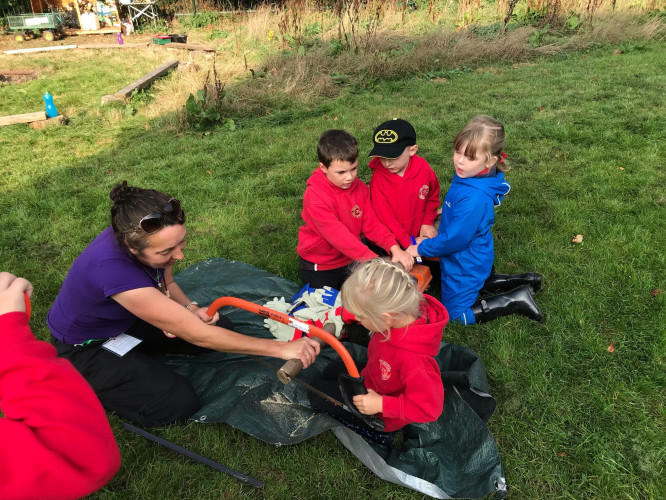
{"x": 392, "y": 137}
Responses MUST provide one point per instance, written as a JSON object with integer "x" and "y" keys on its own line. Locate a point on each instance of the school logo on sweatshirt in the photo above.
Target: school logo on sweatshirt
{"x": 423, "y": 192}
{"x": 356, "y": 212}
{"x": 385, "y": 369}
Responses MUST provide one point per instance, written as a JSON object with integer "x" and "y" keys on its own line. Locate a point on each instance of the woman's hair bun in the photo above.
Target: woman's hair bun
{"x": 120, "y": 192}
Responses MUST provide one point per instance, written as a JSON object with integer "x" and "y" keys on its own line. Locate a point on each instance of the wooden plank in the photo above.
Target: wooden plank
{"x": 24, "y": 118}
{"x": 101, "y": 31}
{"x": 112, "y": 45}
{"x": 40, "y": 49}
{"x": 148, "y": 78}
{"x": 189, "y": 46}
{"x": 18, "y": 72}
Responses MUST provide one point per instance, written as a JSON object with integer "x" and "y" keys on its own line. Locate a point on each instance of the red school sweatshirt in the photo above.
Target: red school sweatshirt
{"x": 404, "y": 371}
{"x": 55, "y": 439}
{"x": 335, "y": 219}
{"x": 405, "y": 203}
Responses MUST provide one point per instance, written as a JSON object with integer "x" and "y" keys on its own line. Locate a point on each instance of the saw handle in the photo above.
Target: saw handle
{"x": 353, "y": 386}
{"x": 294, "y": 366}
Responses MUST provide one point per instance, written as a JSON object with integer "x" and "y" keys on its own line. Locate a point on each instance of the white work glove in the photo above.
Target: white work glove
{"x": 279, "y": 330}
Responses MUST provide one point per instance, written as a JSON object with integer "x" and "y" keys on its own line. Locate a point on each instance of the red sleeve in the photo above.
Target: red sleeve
{"x": 385, "y": 213}
{"x": 330, "y": 228}
{"x": 432, "y": 203}
{"x": 374, "y": 229}
{"x": 55, "y": 438}
{"x": 421, "y": 401}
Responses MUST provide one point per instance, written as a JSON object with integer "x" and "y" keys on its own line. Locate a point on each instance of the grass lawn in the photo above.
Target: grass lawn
{"x": 581, "y": 398}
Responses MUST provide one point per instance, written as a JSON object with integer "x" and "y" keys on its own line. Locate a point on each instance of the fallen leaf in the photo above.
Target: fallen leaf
{"x": 603, "y": 321}
{"x": 611, "y": 347}
{"x": 655, "y": 292}
{"x": 541, "y": 108}
{"x": 617, "y": 52}
{"x": 562, "y": 454}
{"x": 621, "y": 168}
{"x": 335, "y": 119}
{"x": 208, "y": 172}
{"x": 577, "y": 239}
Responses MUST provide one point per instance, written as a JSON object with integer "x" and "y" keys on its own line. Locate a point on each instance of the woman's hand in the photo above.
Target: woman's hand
{"x": 402, "y": 257}
{"x": 305, "y": 349}
{"x": 12, "y": 290}
{"x": 369, "y": 403}
{"x": 203, "y": 316}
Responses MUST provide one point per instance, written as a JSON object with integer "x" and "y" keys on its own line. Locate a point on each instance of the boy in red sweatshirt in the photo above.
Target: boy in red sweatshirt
{"x": 55, "y": 439}
{"x": 404, "y": 189}
{"x": 337, "y": 213}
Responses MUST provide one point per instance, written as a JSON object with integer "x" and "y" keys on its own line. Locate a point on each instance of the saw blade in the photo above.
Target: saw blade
{"x": 305, "y": 385}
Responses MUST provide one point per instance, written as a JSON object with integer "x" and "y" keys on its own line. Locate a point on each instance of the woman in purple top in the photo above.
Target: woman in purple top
{"x": 121, "y": 291}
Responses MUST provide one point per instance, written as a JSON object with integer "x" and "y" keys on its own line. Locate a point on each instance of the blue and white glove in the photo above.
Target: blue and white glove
{"x": 300, "y": 298}
{"x": 326, "y": 296}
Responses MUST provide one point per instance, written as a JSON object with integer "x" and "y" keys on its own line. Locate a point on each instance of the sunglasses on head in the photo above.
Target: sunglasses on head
{"x": 154, "y": 222}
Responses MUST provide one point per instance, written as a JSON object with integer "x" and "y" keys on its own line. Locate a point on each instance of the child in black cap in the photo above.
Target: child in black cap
{"x": 404, "y": 189}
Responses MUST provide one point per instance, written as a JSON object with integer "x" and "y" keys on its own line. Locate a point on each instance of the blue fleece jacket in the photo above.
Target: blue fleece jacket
{"x": 464, "y": 244}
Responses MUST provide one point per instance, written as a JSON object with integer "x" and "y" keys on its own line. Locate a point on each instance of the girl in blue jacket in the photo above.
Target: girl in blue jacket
{"x": 464, "y": 244}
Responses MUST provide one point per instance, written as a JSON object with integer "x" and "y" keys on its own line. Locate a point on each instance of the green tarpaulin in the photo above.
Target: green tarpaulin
{"x": 455, "y": 457}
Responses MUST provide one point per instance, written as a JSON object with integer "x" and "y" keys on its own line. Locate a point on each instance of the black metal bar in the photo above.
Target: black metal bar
{"x": 195, "y": 456}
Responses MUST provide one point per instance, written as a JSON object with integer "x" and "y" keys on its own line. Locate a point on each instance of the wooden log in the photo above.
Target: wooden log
{"x": 189, "y": 46}
{"x": 24, "y": 118}
{"x": 112, "y": 45}
{"x": 58, "y": 120}
{"x": 147, "y": 79}
{"x": 40, "y": 49}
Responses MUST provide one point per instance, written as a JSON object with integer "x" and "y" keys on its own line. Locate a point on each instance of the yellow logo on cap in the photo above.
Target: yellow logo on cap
{"x": 386, "y": 137}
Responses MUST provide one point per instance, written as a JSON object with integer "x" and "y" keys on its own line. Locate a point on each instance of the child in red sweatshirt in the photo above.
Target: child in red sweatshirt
{"x": 55, "y": 439}
{"x": 402, "y": 376}
{"x": 404, "y": 189}
{"x": 337, "y": 213}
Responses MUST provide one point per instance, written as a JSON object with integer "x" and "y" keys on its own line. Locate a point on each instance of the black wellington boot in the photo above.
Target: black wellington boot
{"x": 518, "y": 301}
{"x": 506, "y": 282}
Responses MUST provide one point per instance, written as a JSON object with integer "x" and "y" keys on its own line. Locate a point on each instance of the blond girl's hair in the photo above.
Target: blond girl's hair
{"x": 482, "y": 134}
{"x": 378, "y": 286}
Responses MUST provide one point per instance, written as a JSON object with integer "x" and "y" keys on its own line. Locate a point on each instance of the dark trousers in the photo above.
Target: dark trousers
{"x": 319, "y": 279}
{"x": 137, "y": 386}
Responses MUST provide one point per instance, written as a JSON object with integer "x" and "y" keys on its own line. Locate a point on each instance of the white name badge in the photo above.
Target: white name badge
{"x": 122, "y": 344}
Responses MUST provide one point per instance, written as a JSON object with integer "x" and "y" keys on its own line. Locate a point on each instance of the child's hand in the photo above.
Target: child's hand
{"x": 412, "y": 250}
{"x": 369, "y": 403}
{"x": 402, "y": 257}
{"x": 12, "y": 290}
{"x": 427, "y": 231}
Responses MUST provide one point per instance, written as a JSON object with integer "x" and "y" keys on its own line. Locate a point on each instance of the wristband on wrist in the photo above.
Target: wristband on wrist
{"x": 193, "y": 303}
